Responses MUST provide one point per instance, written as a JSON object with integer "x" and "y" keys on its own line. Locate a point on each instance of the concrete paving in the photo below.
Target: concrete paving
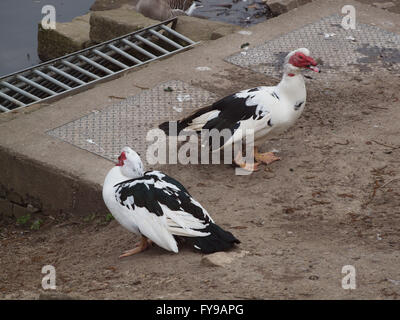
{"x": 127, "y": 122}
{"x": 338, "y": 50}
{"x": 62, "y": 177}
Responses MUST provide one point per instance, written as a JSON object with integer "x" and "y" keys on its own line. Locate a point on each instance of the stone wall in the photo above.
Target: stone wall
{"x": 68, "y": 37}
{"x": 58, "y": 194}
{"x": 102, "y": 5}
{"x": 106, "y": 25}
{"x": 100, "y": 26}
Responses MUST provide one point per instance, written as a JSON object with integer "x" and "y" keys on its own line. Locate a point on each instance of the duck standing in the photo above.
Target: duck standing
{"x": 264, "y": 111}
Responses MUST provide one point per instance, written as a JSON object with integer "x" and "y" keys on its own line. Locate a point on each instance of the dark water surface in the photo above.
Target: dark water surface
{"x": 19, "y": 26}
{"x": 239, "y": 12}
{"x": 19, "y": 23}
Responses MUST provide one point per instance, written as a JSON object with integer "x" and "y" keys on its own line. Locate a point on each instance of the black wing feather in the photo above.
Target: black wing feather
{"x": 145, "y": 194}
{"x": 232, "y": 110}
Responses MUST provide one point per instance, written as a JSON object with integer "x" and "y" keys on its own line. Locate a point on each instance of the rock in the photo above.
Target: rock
{"x": 383, "y": 5}
{"x": 278, "y": 7}
{"x": 20, "y": 211}
{"x": 6, "y": 208}
{"x": 68, "y": 37}
{"x": 34, "y": 203}
{"x": 32, "y": 209}
{"x": 101, "y": 5}
{"x": 106, "y": 25}
{"x": 201, "y": 29}
{"x": 222, "y": 259}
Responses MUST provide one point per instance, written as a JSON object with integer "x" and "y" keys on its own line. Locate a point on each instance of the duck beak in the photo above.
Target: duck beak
{"x": 313, "y": 68}
{"x": 120, "y": 162}
{"x": 121, "y": 159}
{"x": 312, "y": 65}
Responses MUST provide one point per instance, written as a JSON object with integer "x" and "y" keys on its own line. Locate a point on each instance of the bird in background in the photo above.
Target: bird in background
{"x": 263, "y": 111}
{"x": 165, "y": 9}
{"x": 159, "y": 209}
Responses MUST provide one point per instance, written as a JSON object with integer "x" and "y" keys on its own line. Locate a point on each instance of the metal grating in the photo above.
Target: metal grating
{"x": 363, "y": 49}
{"x": 127, "y": 123}
{"x": 76, "y": 70}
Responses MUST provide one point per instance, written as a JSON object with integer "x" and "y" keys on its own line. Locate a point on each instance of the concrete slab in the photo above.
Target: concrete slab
{"x": 102, "y": 5}
{"x": 106, "y": 25}
{"x": 67, "y": 178}
{"x": 202, "y": 29}
{"x": 126, "y": 123}
{"x": 68, "y": 37}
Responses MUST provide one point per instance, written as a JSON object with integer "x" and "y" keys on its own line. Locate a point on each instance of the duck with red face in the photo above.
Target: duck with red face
{"x": 159, "y": 209}
{"x": 301, "y": 59}
{"x": 263, "y": 111}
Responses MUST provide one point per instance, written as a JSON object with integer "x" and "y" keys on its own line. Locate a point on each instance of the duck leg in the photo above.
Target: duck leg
{"x": 242, "y": 164}
{"x": 142, "y": 246}
{"x": 267, "y": 157}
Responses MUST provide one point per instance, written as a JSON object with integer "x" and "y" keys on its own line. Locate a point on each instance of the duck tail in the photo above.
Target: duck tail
{"x": 217, "y": 240}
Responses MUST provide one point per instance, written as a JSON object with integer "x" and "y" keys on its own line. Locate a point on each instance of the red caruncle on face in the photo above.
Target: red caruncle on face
{"x": 300, "y": 60}
{"x": 121, "y": 159}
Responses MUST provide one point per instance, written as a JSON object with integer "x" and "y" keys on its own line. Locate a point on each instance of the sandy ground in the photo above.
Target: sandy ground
{"x": 332, "y": 200}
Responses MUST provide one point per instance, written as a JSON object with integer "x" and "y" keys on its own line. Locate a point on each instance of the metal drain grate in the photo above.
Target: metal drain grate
{"x": 68, "y": 73}
{"x": 127, "y": 123}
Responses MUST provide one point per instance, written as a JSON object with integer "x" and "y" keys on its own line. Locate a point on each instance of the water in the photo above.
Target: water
{"x": 239, "y": 12}
{"x": 19, "y": 25}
